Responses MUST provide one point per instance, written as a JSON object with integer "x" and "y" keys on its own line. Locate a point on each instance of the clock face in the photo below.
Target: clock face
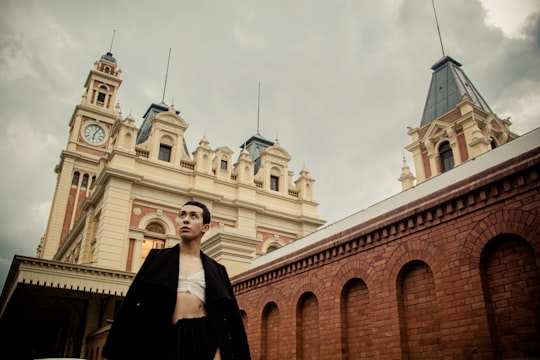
{"x": 94, "y": 134}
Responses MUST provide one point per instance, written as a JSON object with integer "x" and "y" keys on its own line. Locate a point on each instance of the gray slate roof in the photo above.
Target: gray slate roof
{"x": 448, "y": 85}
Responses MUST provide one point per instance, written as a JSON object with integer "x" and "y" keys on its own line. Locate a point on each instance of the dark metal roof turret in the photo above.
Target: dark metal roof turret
{"x": 448, "y": 85}
{"x": 109, "y": 57}
{"x": 255, "y": 145}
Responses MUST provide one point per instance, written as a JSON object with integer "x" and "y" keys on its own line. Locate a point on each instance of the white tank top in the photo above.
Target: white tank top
{"x": 193, "y": 284}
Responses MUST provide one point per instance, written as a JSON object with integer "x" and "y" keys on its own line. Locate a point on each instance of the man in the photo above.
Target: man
{"x": 181, "y": 304}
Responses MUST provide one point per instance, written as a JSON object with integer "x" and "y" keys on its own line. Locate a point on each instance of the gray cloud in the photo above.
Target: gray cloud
{"x": 340, "y": 82}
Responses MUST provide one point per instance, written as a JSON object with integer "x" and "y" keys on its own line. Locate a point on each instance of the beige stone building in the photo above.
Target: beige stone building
{"x": 119, "y": 189}
{"x": 457, "y": 125}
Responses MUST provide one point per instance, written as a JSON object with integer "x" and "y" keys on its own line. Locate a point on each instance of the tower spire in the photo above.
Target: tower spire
{"x": 438, "y": 29}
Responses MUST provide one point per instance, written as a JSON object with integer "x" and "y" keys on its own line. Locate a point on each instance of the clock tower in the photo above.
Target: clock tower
{"x": 88, "y": 141}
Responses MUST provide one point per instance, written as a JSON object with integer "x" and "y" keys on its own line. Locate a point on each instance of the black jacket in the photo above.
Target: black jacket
{"x": 140, "y": 328}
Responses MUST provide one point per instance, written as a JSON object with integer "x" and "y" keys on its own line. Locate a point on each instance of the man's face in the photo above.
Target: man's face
{"x": 191, "y": 222}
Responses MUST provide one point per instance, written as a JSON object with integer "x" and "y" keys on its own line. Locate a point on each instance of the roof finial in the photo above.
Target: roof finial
{"x": 166, "y": 75}
{"x": 112, "y": 41}
{"x": 438, "y": 29}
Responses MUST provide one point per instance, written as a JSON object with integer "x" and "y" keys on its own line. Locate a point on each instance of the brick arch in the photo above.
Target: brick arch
{"x": 271, "y": 294}
{"x": 355, "y": 269}
{"x": 245, "y": 303}
{"x": 309, "y": 284}
{"x": 415, "y": 250}
{"x": 513, "y": 221}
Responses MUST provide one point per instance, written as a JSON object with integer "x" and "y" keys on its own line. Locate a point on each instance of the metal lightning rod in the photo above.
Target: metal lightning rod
{"x": 258, "y": 107}
{"x": 114, "y": 32}
{"x": 438, "y": 29}
{"x": 166, "y": 75}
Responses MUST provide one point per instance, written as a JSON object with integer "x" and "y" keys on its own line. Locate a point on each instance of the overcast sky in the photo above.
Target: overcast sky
{"x": 340, "y": 82}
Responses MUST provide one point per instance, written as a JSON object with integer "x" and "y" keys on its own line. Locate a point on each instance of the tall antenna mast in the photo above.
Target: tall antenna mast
{"x": 258, "y": 107}
{"x": 114, "y": 32}
{"x": 166, "y": 75}
{"x": 438, "y": 30}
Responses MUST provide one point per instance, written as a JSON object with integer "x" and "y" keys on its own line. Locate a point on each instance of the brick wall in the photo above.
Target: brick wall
{"x": 454, "y": 275}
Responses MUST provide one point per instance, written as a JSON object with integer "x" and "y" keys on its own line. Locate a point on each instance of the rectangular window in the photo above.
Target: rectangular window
{"x": 274, "y": 183}
{"x": 164, "y": 153}
{"x": 223, "y": 164}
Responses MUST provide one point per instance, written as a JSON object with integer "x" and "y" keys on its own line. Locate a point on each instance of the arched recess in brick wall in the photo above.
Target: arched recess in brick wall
{"x": 514, "y": 221}
{"x": 351, "y": 269}
{"x": 354, "y": 318}
{"x": 270, "y": 332}
{"x": 307, "y": 327}
{"x": 511, "y": 286}
{"x": 415, "y": 250}
{"x": 275, "y": 295}
{"x": 419, "y": 318}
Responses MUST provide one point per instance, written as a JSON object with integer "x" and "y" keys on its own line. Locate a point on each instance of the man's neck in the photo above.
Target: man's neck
{"x": 190, "y": 248}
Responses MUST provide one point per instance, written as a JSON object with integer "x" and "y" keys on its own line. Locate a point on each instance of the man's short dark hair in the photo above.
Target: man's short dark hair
{"x": 205, "y": 212}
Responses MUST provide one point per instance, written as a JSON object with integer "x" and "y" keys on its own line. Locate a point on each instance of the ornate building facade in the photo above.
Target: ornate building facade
{"x": 119, "y": 190}
{"x": 448, "y": 268}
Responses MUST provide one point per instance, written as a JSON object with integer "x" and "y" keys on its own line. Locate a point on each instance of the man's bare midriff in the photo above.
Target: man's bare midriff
{"x": 188, "y": 306}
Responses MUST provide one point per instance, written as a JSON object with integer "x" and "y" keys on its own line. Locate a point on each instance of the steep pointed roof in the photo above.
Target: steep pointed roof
{"x": 448, "y": 85}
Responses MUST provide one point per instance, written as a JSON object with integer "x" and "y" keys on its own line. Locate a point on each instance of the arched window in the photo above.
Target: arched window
{"x": 493, "y": 143}
{"x": 275, "y": 178}
{"x": 165, "y": 148}
{"x": 274, "y": 182}
{"x": 224, "y": 163}
{"x": 446, "y": 156}
{"x": 84, "y": 182}
{"x": 164, "y": 152}
{"x": 75, "y": 180}
{"x": 153, "y": 239}
{"x": 103, "y": 90}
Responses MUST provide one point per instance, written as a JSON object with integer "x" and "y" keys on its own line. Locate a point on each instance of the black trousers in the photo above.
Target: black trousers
{"x": 192, "y": 339}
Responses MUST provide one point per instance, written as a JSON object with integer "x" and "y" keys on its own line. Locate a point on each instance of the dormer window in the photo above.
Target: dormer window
{"x": 223, "y": 164}
{"x": 446, "y": 156}
{"x": 165, "y": 152}
{"x": 274, "y": 182}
